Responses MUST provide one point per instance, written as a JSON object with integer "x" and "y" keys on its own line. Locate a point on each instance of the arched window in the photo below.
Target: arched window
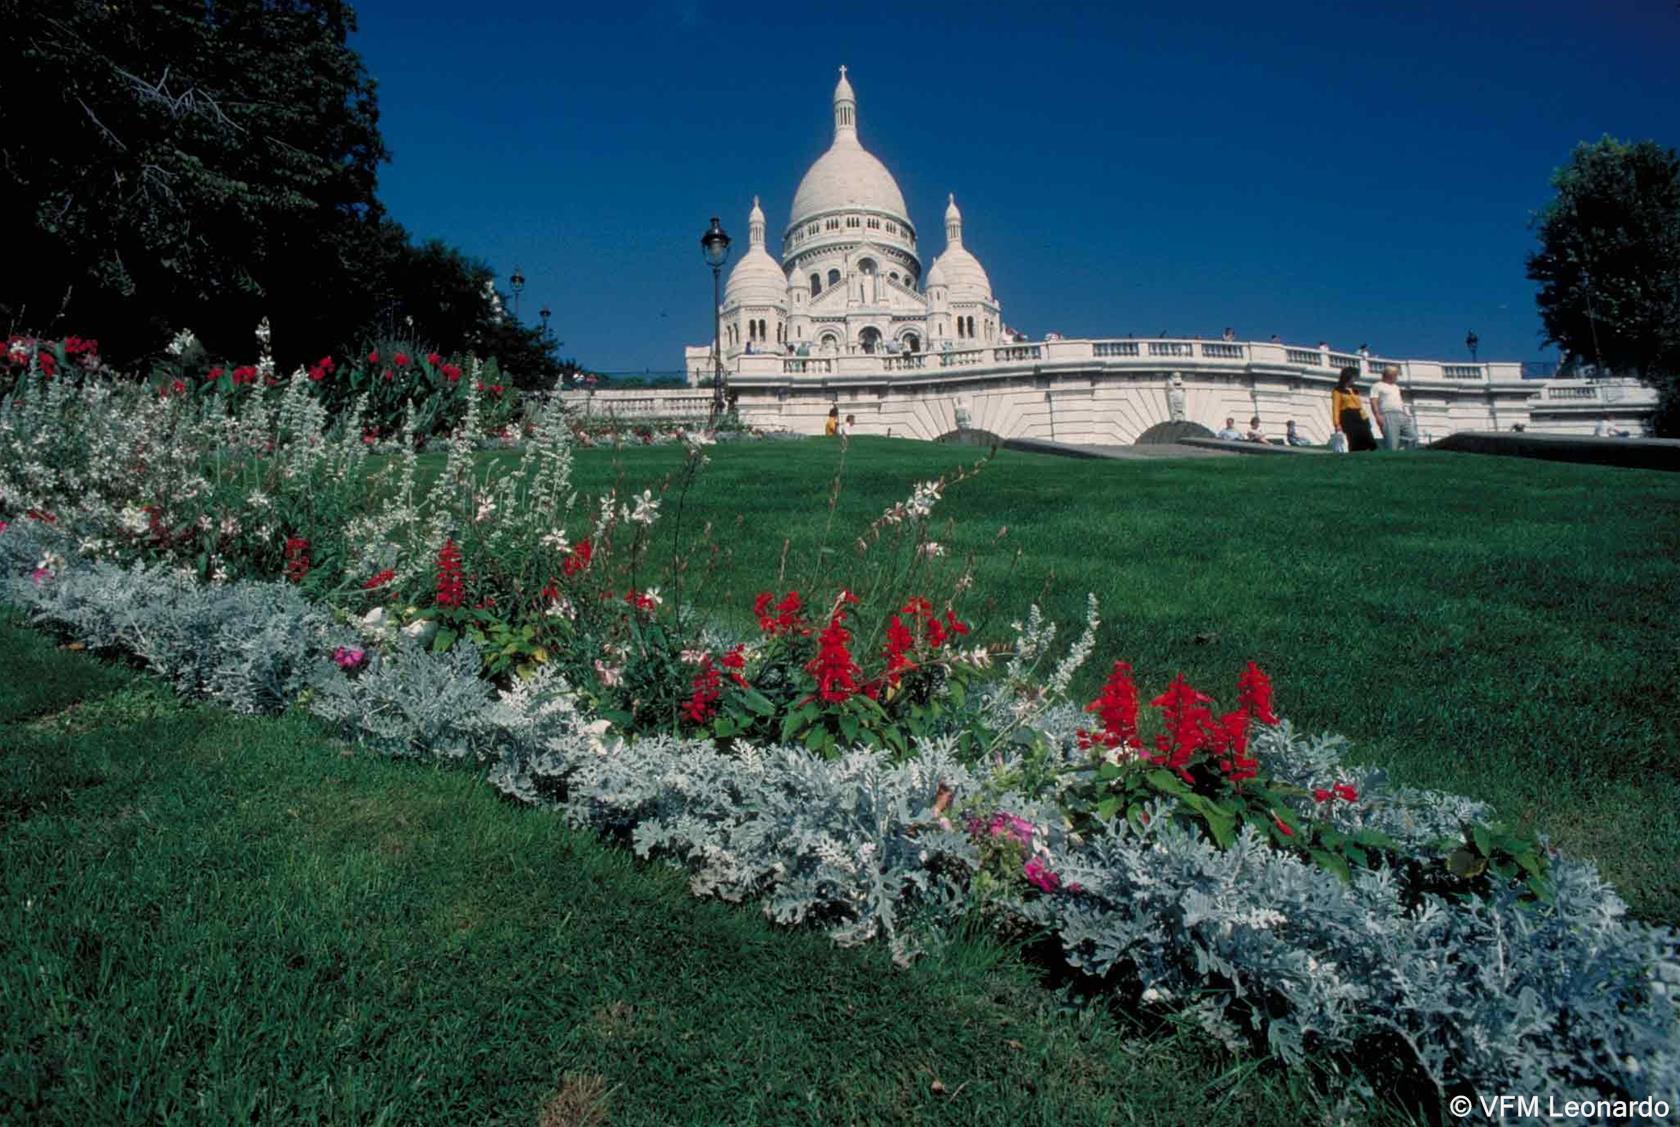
{"x": 828, "y": 342}
{"x": 851, "y": 221}
{"x": 867, "y": 267}
{"x": 870, "y": 339}
{"x": 833, "y": 277}
{"x": 912, "y": 342}
{"x": 816, "y": 284}
{"x": 893, "y": 275}
{"x": 763, "y": 332}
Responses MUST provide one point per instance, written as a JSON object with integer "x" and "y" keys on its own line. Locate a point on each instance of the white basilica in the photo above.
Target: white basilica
{"x": 848, "y": 321}
{"x": 850, "y": 280}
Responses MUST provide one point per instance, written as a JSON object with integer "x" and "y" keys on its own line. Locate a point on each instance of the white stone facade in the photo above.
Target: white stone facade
{"x": 850, "y": 279}
{"x": 848, "y": 319}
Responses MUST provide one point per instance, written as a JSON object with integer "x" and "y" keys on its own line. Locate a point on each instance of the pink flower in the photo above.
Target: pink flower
{"x": 1040, "y": 876}
{"x": 348, "y": 658}
{"x": 40, "y": 575}
{"x": 4, "y": 526}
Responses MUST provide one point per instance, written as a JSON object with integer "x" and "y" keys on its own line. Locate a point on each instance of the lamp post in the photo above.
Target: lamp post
{"x": 518, "y": 284}
{"x": 545, "y": 313}
{"x": 715, "y": 244}
{"x": 1471, "y": 340}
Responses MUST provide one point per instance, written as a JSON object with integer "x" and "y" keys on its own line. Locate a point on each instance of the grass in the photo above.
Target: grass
{"x": 1502, "y": 628}
{"x": 218, "y": 918}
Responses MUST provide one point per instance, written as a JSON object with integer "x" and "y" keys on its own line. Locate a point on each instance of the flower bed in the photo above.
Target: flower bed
{"x": 860, "y": 762}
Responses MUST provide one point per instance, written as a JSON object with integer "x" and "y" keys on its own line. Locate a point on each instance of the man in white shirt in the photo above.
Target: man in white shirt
{"x": 1230, "y": 433}
{"x": 1391, "y": 412}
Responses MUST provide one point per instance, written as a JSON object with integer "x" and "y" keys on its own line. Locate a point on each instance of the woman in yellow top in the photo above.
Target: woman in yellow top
{"x": 1347, "y": 413}
{"x": 832, "y": 427}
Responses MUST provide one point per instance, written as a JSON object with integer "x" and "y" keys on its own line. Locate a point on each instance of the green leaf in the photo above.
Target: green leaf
{"x": 725, "y": 726}
{"x": 757, "y": 701}
{"x": 849, "y": 727}
{"x": 1168, "y": 783}
{"x": 1108, "y": 807}
{"x": 1331, "y": 863}
{"x": 1483, "y": 840}
{"x": 443, "y": 639}
{"x": 1464, "y": 864}
{"x": 816, "y": 739}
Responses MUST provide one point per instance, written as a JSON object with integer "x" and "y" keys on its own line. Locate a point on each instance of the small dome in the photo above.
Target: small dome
{"x": 957, "y": 268}
{"x": 962, "y": 272}
{"x": 756, "y": 279}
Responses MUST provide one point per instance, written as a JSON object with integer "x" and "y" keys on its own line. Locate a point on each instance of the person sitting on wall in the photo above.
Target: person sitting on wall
{"x": 1292, "y": 437}
{"x": 1255, "y": 434}
{"x": 1605, "y": 430}
{"x": 1230, "y": 433}
{"x": 849, "y": 427}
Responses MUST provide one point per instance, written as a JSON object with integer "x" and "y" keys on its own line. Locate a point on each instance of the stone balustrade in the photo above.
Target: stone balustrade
{"x": 1108, "y": 392}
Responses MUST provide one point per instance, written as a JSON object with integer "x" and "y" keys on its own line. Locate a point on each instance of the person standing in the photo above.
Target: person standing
{"x": 1347, "y": 413}
{"x": 1391, "y": 411}
{"x": 832, "y": 426}
{"x": 849, "y": 427}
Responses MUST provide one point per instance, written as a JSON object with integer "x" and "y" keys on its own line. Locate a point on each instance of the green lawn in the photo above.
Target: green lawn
{"x": 212, "y": 918}
{"x": 1504, "y": 628}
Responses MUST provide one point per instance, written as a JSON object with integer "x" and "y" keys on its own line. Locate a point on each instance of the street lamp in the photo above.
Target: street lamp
{"x": 715, "y": 244}
{"x": 545, "y": 313}
{"x": 1471, "y": 340}
{"x": 518, "y": 284}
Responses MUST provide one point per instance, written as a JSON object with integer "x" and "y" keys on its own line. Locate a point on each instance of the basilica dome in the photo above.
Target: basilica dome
{"x": 957, "y": 268}
{"x": 847, "y": 177}
{"x": 756, "y": 279}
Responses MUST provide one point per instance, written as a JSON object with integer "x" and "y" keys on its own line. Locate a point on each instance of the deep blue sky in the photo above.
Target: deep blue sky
{"x": 1356, "y": 172}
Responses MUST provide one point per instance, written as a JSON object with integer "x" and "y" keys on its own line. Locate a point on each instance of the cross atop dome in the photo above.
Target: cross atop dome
{"x": 845, "y": 109}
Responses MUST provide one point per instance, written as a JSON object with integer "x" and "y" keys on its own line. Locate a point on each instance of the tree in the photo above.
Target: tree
{"x": 1609, "y": 264}
{"x": 201, "y": 161}
{"x": 204, "y": 163}
{"x": 434, "y": 293}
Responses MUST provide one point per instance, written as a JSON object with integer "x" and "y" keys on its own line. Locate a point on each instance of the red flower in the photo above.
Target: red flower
{"x": 578, "y": 558}
{"x": 833, "y": 667}
{"x": 1287, "y": 832}
{"x": 1345, "y": 792}
{"x": 641, "y": 600}
{"x": 451, "y": 588}
{"x": 1188, "y": 722}
{"x": 379, "y": 579}
{"x": 786, "y": 619}
{"x": 48, "y": 362}
{"x": 373, "y": 357}
{"x": 297, "y": 559}
{"x": 1117, "y": 707}
{"x": 389, "y": 375}
{"x": 1321, "y": 795}
{"x": 245, "y": 374}
{"x": 213, "y": 374}
{"x": 433, "y": 359}
{"x": 736, "y": 662}
{"x": 1229, "y": 743}
{"x": 703, "y": 692}
{"x": 400, "y": 359}
{"x": 451, "y": 372}
{"x": 956, "y": 628}
{"x": 1254, "y": 694}
{"x": 899, "y": 643}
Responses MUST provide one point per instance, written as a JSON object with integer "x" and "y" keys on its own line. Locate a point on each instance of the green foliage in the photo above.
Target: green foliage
{"x": 371, "y": 927}
{"x": 203, "y": 164}
{"x": 1609, "y": 264}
